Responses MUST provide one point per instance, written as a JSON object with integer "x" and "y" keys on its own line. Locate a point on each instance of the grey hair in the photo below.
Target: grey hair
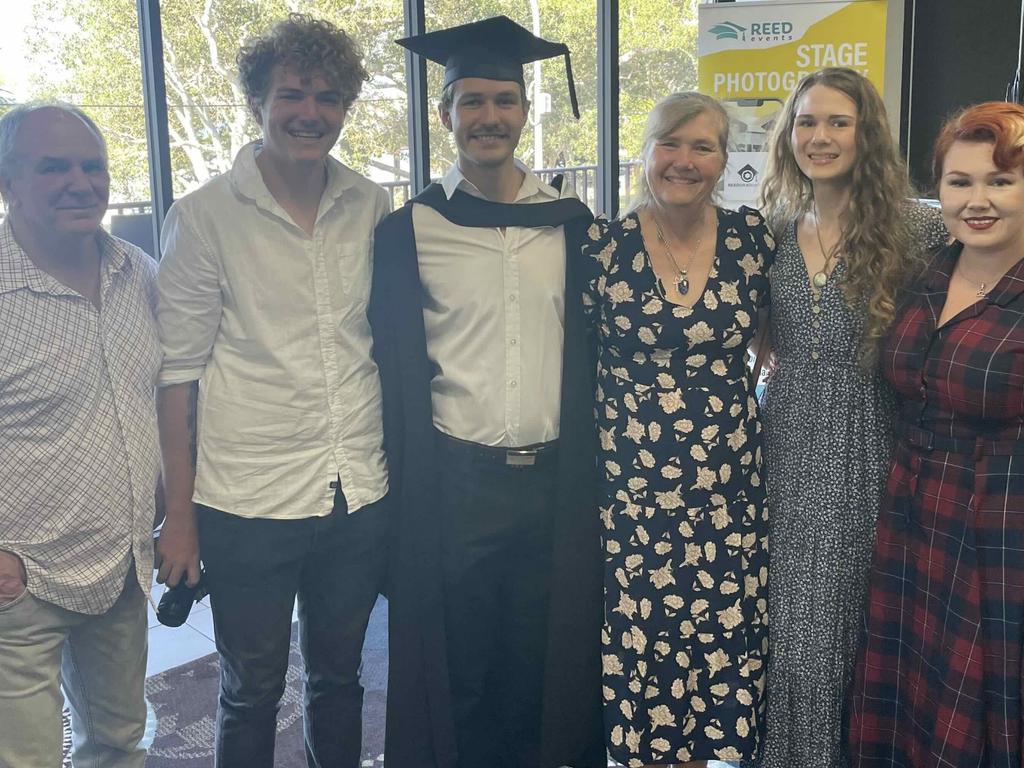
{"x": 11, "y": 121}
{"x": 667, "y": 115}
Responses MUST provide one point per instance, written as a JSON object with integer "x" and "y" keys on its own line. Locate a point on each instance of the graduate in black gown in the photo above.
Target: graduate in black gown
{"x": 487, "y": 372}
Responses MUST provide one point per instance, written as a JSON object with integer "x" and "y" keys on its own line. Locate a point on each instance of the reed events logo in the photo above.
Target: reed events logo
{"x": 757, "y": 32}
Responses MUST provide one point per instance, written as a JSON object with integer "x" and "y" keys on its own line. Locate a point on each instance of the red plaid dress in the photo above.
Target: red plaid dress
{"x": 938, "y": 680}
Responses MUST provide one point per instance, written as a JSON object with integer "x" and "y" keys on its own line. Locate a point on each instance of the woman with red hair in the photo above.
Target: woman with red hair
{"x": 938, "y": 679}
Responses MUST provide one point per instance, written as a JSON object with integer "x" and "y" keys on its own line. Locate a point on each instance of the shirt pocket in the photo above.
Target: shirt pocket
{"x": 349, "y": 265}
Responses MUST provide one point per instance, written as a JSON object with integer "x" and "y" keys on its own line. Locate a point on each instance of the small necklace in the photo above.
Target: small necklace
{"x": 820, "y": 277}
{"x": 682, "y": 272}
{"x": 983, "y": 288}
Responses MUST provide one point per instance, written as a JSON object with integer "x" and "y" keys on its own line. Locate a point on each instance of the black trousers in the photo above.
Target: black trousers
{"x": 496, "y": 555}
{"x": 255, "y": 569}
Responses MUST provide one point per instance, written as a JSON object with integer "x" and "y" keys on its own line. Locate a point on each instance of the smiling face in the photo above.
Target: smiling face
{"x": 824, "y": 137}
{"x": 301, "y": 117}
{"x": 59, "y": 184}
{"x": 983, "y": 206}
{"x": 486, "y": 118}
{"x": 683, "y": 167}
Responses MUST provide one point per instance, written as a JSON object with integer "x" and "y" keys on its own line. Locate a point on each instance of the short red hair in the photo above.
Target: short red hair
{"x": 995, "y": 122}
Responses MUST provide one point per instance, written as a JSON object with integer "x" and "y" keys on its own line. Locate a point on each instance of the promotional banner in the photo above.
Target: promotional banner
{"x": 752, "y": 54}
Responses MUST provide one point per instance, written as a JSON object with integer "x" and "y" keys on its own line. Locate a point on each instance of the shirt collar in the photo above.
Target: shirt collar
{"x": 248, "y": 181}
{"x": 531, "y": 186}
{"x": 936, "y": 277}
{"x": 18, "y": 272}
{"x": 936, "y": 280}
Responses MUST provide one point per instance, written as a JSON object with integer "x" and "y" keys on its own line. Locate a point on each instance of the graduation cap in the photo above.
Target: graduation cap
{"x": 494, "y": 49}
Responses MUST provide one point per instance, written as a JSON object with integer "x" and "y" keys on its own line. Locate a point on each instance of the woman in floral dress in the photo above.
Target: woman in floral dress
{"x": 675, "y": 292}
{"x": 835, "y": 191}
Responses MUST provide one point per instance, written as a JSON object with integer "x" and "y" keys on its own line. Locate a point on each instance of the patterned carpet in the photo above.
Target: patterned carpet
{"x": 184, "y": 703}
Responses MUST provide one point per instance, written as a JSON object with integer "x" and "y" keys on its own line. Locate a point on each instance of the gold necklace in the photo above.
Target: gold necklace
{"x": 820, "y": 277}
{"x": 983, "y": 287}
{"x": 682, "y": 272}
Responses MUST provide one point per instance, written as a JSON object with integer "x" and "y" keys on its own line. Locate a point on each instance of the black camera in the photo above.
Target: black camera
{"x": 177, "y": 601}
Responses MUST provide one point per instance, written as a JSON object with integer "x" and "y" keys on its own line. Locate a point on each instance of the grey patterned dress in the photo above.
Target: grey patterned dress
{"x": 828, "y": 427}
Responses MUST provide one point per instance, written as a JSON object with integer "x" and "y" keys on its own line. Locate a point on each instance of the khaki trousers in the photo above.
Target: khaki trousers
{"x": 101, "y": 663}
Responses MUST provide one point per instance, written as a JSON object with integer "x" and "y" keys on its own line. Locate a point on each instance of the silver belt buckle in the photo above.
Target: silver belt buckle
{"x": 515, "y": 458}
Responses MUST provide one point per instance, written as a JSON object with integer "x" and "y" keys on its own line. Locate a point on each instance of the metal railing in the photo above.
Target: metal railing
{"x": 582, "y": 178}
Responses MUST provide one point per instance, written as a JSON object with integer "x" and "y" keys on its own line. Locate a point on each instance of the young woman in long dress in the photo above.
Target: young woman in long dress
{"x": 836, "y": 193}
{"x": 939, "y": 677}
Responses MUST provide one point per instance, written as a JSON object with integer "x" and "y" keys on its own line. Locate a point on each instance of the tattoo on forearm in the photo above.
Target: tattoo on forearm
{"x": 192, "y": 405}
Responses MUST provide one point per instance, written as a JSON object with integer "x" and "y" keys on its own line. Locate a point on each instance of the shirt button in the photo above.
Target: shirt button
{"x": 816, "y": 309}
{"x": 512, "y": 384}
{"x": 512, "y": 342}
{"x": 815, "y": 354}
{"x": 511, "y": 297}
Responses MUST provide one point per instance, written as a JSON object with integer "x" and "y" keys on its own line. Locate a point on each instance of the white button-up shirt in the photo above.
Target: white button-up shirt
{"x": 273, "y": 322}
{"x": 493, "y": 309}
{"x": 79, "y": 456}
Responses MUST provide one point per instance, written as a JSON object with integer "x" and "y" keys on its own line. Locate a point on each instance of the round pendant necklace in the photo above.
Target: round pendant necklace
{"x": 682, "y": 273}
{"x": 819, "y": 278}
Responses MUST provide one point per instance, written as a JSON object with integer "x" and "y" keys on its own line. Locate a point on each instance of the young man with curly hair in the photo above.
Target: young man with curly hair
{"x": 263, "y": 289}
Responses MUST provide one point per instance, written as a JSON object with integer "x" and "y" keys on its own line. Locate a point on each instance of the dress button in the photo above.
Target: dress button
{"x": 815, "y": 354}
{"x": 816, "y": 309}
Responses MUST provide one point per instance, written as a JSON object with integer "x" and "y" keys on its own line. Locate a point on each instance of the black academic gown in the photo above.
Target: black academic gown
{"x": 420, "y": 732}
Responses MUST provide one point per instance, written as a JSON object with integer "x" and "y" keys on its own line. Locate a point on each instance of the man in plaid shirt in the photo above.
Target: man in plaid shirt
{"x": 79, "y": 456}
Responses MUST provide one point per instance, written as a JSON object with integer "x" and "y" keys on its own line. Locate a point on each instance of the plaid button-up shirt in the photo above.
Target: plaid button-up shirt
{"x": 79, "y": 456}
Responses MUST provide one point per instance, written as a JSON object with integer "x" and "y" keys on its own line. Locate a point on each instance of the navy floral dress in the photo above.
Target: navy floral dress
{"x": 684, "y": 506}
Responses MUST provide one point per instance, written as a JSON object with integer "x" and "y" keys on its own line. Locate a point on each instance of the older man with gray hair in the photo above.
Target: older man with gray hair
{"x": 79, "y": 456}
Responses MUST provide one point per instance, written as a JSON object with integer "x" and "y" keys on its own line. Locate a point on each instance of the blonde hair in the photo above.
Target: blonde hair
{"x": 878, "y": 247}
{"x": 667, "y": 115}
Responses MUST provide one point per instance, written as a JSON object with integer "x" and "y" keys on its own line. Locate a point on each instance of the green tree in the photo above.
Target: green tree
{"x": 96, "y": 64}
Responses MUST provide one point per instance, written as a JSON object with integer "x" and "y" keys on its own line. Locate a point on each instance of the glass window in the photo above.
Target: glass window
{"x": 657, "y": 56}
{"x": 86, "y": 52}
{"x": 209, "y": 121}
{"x": 552, "y": 141}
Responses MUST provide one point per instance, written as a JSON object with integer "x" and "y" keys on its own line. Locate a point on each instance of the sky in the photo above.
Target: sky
{"x": 13, "y": 72}
{"x": 14, "y": 69}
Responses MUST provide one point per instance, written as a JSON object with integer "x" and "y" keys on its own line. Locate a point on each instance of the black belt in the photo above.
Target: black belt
{"x": 523, "y": 457}
{"x": 926, "y": 440}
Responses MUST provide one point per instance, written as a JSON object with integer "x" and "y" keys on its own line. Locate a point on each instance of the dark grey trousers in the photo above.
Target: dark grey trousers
{"x": 255, "y": 569}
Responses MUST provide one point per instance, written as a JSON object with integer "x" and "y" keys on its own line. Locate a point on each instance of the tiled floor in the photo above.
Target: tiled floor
{"x": 174, "y": 646}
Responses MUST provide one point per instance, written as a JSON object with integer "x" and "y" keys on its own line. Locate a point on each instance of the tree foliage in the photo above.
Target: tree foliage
{"x": 95, "y": 63}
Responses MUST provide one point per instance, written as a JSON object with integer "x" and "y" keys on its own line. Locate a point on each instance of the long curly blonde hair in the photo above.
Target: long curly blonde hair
{"x": 876, "y": 242}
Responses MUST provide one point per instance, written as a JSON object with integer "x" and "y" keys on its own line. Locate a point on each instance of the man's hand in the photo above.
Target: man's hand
{"x": 13, "y": 579}
{"x": 177, "y": 550}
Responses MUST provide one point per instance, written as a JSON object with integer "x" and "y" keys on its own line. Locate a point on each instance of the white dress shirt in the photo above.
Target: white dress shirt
{"x": 79, "y": 456}
{"x": 273, "y": 322}
{"x": 493, "y": 309}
